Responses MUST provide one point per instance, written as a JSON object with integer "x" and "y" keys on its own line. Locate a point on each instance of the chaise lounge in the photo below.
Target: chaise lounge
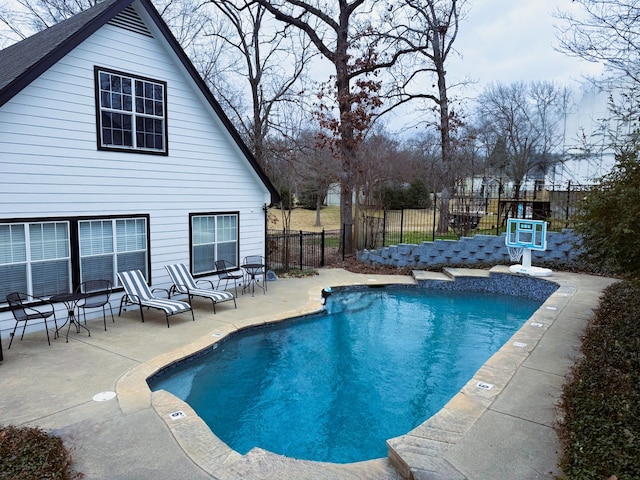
{"x": 185, "y": 284}
{"x": 137, "y": 292}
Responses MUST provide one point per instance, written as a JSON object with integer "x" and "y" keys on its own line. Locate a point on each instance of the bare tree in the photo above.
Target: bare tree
{"x": 270, "y": 61}
{"x": 524, "y": 124}
{"x": 606, "y": 31}
{"x": 344, "y": 34}
{"x": 317, "y": 168}
{"x": 431, "y": 27}
{"x": 331, "y": 36}
{"x": 603, "y": 31}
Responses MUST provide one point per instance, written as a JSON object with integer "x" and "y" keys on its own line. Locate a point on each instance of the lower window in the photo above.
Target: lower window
{"x": 213, "y": 237}
{"x": 44, "y": 258}
{"x": 112, "y": 245}
{"x": 35, "y": 258}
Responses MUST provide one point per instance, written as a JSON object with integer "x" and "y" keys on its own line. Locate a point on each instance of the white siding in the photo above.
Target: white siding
{"x": 50, "y": 165}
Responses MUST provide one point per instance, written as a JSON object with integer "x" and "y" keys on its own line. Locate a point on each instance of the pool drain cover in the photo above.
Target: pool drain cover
{"x": 485, "y": 386}
{"x": 104, "y": 396}
{"x": 177, "y": 415}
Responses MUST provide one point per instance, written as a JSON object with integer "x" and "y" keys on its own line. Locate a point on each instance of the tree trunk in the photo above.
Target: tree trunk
{"x": 318, "y": 207}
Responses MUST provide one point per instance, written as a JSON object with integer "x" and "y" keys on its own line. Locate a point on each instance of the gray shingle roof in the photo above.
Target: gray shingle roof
{"x": 24, "y": 61}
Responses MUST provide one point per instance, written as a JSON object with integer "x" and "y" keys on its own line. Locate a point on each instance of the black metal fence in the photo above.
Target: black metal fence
{"x": 300, "y": 250}
{"x": 462, "y": 216}
{"x": 455, "y": 217}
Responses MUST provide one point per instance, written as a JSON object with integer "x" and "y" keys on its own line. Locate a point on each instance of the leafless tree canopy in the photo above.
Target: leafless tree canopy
{"x": 522, "y": 122}
{"x": 603, "y": 31}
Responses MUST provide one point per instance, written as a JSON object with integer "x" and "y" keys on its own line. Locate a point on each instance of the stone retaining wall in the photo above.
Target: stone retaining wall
{"x": 562, "y": 248}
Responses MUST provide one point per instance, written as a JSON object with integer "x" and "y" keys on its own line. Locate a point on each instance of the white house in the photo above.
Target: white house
{"x": 115, "y": 156}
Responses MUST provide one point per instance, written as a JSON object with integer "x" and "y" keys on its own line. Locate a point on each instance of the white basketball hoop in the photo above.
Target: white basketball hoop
{"x": 523, "y": 236}
{"x": 515, "y": 253}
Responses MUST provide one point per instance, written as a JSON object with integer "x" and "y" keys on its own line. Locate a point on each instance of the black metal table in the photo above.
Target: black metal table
{"x": 70, "y": 301}
{"x": 251, "y": 270}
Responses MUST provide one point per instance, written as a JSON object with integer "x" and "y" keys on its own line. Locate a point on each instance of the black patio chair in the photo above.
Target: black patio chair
{"x": 22, "y": 312}
{"x": 223, "y": 270}
{"x": 98, "y": 294}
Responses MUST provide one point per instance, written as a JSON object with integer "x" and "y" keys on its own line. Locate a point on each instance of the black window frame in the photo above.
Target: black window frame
{"x": 212, "y": 271}
{"x": 136, "y": 117}
{"x": 74, "y": 241}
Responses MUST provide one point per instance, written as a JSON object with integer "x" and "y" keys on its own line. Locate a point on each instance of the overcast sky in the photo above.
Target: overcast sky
{"x": 513, "y": 40}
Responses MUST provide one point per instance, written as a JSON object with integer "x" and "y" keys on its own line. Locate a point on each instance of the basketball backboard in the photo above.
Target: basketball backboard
{"x": 531, "y": 234}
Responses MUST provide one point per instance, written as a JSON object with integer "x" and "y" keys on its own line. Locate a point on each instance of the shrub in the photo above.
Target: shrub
{"x": 28, "y": 453}
{"x": 600, "y": 431}
{"x": 607, "y": 218}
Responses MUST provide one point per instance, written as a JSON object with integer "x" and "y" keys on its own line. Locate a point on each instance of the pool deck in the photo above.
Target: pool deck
{"x": 499, "y": 426}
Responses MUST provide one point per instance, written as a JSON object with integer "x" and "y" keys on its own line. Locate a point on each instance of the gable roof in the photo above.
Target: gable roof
{"x": 23, "y": 62}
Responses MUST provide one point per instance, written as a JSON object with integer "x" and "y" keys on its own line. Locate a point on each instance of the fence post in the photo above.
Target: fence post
{"x": 566, "y": 216}
{"x": 384, "y": 227}
{"x": 433, "y": 225}
{"x": 300, "y": 244}
{"x": 499, "y": 213}
{"x": 401, "y": 223}
{"x": 322, "y": 248}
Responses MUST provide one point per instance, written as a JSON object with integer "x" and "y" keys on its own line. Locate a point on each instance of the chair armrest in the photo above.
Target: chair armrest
{"x": 206, "y": 281}
{"x": 166, "y": 292}
{"x": 175, "y": 288}
{"x": 45, "y": 307}
{"x": 132, "y": 298}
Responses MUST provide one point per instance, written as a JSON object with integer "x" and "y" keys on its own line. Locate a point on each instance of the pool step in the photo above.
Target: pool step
{"x": 423, "y": 275}
{"x": 416, "y": 458}
{"x": 465, "y": 272}
{"x": 449, "y": 274}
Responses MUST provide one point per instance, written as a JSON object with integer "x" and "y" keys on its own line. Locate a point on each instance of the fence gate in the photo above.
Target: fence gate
{"x": 301, "y": 250}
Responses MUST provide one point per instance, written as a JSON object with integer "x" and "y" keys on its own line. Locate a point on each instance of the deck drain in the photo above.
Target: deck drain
{"x": 484, "y": 386}
{"x": 216, "y": 334}
{"x": 104, "y": 396}
{"x": 519, "y": 344}
{"x": 536, "y": 324}
{"x": 552, "y": 308}
{"x": 177, "y": 415}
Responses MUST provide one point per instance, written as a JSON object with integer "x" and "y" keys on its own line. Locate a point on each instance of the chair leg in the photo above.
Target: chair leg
{"x": 46, "y": 328}
{"x": 104, "y": 318}
{"x": 55, "y": 324}
{"x": 12, "y": 334}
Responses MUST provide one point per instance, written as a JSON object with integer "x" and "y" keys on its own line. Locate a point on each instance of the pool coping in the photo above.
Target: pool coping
{"x": 430, "y": 438}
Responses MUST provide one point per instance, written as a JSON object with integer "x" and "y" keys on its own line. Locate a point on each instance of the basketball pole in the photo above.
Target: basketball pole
{"x": 526, "y": 258}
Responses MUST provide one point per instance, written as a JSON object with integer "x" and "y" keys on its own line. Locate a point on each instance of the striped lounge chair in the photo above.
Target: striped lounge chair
{"x": 184, "y": 283}
{"x": 137, "y": 292}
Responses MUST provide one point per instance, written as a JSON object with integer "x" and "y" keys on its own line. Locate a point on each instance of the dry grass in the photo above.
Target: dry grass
{"x": 302, "y": 219}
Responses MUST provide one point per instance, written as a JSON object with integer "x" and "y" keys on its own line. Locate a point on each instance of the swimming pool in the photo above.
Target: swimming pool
{"x": 334, "y": 387}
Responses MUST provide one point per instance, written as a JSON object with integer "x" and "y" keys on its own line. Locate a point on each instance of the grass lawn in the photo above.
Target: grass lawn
{"x": 302, "y": 219}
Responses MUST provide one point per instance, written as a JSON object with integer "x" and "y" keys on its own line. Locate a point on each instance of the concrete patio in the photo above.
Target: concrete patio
{"x": 504, "y": 432}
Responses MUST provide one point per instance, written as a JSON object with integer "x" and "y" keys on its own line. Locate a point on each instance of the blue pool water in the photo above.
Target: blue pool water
{"x": 335, "y": 387}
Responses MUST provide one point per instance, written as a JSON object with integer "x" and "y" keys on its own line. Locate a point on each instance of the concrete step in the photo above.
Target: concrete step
{"x": 465, "y": 272}
{"x": 423, "y": 275}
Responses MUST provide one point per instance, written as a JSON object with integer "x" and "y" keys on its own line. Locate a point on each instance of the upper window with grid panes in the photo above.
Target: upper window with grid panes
{"x": 131, "y": 112}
